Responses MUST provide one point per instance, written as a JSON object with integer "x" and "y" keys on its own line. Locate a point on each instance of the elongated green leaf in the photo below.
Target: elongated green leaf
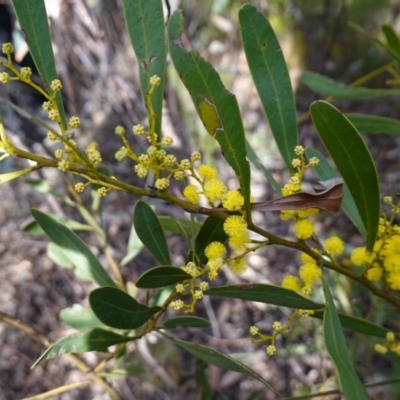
{"x": 328, "y": 87}
{"x": 80, "y": 318}
{"x": 211, "y": 231}
{"x": 56, "y": 254}
{"x": 86, "y": 264}
{"x": 34, "y": 228}
{"x": 82, "y": 342}
{"x": 150, "y": 232}
{"x": 145, "y": 22}
{"x": 203, "y": 386}
{"x": 253, "y": 157}
{"x": 32, "y": 19}
{"x": 118, "y": 309}
{"x": 263, "y": 293}
{"x": 335, "y": 343}
{"x": 271, "y": 77}
{"x": 218, "y": 109}
{"x": 357, "y": 324}
{"x": 188, "y": 321}
{"x": 218, "y": 359}
{"x": 391, "y": 37}
{"x": 325, "y": 171}
{"x": 374, "y": 124}
{"x": 353, "y": 161}
{"x": 170, "y": 224}
{"x": 9, "y": 176}
{"x": 161, "y": 277}
{"x": 131, "y": 370}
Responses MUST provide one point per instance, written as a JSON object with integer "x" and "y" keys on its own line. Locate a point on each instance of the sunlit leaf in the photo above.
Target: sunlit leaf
{"x": 80, "y": 318}
{"x": 56, "y": 254}
{"x": 86, "y": 264}
{"x": 170, "y": 224}
{"x": 9, "y": 176}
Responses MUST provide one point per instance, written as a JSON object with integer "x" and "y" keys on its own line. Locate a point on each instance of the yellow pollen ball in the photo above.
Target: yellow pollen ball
{"x": 304, "y": 229}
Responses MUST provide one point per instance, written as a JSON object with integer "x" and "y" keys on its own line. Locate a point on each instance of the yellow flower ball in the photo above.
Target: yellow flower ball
{"x": 214, "y": 250}
{"x": 304, "y": 229}
{"x": 359, "y": 256}
{"x": 310, "y": 273}
{"x": 214, "y": 189}
{"x": 374, "y": 274}
{"x": 238, "y": 266}
{"x": 207, "y": 172}
{"x": 235, "y": 225}
{"x": 233, "y": 200}
{"x": 191, "y": 194}
{"x": 291, "y": 282}
{"x": 334, "y": 246}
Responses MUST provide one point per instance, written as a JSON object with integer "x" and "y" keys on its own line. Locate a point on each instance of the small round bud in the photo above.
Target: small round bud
{"x": 170, "y": 160}
{"x": 204, "y": 286}
{"x": 271, "y": 350}
{"x": 63, "y": 165}
{"x": 74, "y": 122}
{"x": 296, "y": 163}
{"x": 299, "y": 150}
{"x": 121, "y": 153}
{"x": 179, "y": 175}
{"x": 185, "y": 164}
{"x": 141, "y": 171}
{"x": 167, "y": 141}
{"x": 51, "y": 136}
{"x": 388, "y": 200}
{"x": 314, "y": 161}
{"x": 4, "y": 77}
{"x": 155, "y": 80}
{"x": 177, "y": 305}
{"x": 79, "y": 187}
{"x": 195, "y": 156}
{"x": 7, "y": 48}
{"x": 179, "y": 288}
{"x": 162, "y": 184}
{"x": 120, "y": 130}
{"x": 56, "y": 85}
{"x": 26, "y": 73}
{"x": 253, "y": 330}
{"x": 138, "y": 130}
{"x": 277, "y": 326}
{"x": 59, "y": 154}
{"x": 47, "y": 106}
{"x": 102, "y": 192}
{"x": 53, "y": 115}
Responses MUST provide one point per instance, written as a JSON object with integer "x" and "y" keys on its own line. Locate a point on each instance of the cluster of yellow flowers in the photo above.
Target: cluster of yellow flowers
{"x": 384, "y": 260}
{"x": 390, "y": 344}
{"x": 303, "y": 227}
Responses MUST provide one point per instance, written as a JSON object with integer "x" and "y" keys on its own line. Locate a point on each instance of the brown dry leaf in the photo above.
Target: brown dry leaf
{"x": 328, "y": 199}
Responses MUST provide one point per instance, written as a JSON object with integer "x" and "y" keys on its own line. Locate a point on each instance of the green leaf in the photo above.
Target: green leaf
{"x": 161, "y": 276}
{"x": 41, "y": 185}
{"x": 80, "y": 318}
{"x": 150, "y": 232}
{"x": 82, "y": 342}
{"x": 218, "y": 359}
{"x": 328, "y": 87}
{"x": 374, "y": 124}
{"x": 356, "y": 324}
{"x": 263, "y": 293}
{"x": 391, "y": 37}
{"x": 134, "y": 246}
{"x": 9, "y": 176}
{"x": 203, "y": 386}
{"x": 211, "y": 231}
{"x": 34, "y": 228}
{"x": 56, "y": 254}
{"x": 86, "y": 264}
{"x": 131, "y": 370}
{"x": 218, "y": 109}
{"x": 335, "y": 343}
{"x": 325, "y": 171}
{"x": 188, "y": 321}
{"x": 32, "y": 19}
{"x": 353, "y": 160}
{"x": 118, "y": 309}
{"x": 171, "y": 224}
{"x": 271, "y": 77}
{"x": 253, "y": 157}
{"x": 145, "y": 22}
